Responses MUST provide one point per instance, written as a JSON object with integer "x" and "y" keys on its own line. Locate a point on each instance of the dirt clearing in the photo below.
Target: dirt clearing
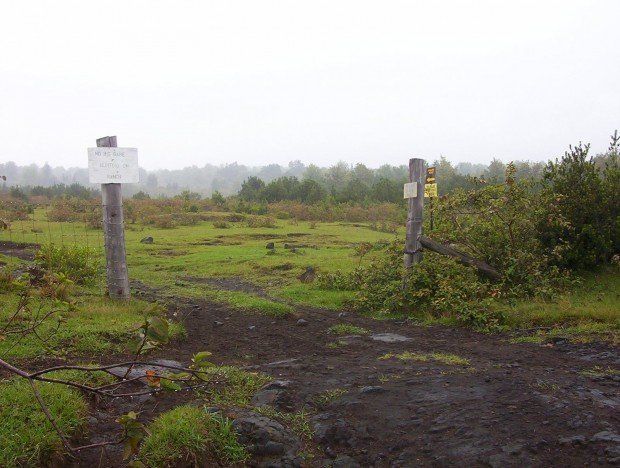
{"x": 428, "y": 396}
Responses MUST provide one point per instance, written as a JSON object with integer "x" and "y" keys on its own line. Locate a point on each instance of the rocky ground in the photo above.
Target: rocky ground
{"x": 501, "y": 404}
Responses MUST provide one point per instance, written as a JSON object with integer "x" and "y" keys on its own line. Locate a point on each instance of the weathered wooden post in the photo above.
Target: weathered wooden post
{"x": 414, "y": 191}
{"x": 111, "y": 168}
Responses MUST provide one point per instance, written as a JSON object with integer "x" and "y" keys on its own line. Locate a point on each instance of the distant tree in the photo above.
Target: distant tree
{"x": 295, "y": 169}
{"x": 496, "y": 172}
{"x": 385, "y": 190}
{"x": 315, "y": 173}
{"x": 354, "y": 191}
{"x": 141, "y": 195}
{"x": 311, "y": 192}
{"x": 363, "y": 174}
{"x": 270, "y": 172}
{"x": 251, "y": 189}
{"x": 218, "y": 198}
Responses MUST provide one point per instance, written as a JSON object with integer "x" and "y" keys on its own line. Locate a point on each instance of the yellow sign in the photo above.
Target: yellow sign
{"x": 430, "y": 187}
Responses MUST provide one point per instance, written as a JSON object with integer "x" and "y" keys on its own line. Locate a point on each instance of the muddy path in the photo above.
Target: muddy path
{"x": 510, "y": 404}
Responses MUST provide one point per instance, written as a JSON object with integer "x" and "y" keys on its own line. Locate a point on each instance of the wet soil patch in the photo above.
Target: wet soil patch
{"x": 23, "y": 251}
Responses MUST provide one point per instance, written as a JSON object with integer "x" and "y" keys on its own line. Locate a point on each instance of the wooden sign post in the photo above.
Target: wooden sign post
{"x": 414, "y": 192}
{"x": 111, "y": 168}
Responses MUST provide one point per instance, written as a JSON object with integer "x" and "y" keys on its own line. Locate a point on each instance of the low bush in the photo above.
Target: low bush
{"x": 261, "y": 222}
{"x": 75, "y": 263}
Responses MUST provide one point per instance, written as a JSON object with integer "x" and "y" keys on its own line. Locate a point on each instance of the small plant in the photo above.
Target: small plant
{"x": 546, "y": 386}
{"x": 221, "y": 225}
{"x": 347, "y": 329}
{"x": 325, "y": 398}
{"x": 444, "y": 358}
{"x": 600, "y": 371}
{"x": 336, "y": 344}
{"x": 57, "y": 286}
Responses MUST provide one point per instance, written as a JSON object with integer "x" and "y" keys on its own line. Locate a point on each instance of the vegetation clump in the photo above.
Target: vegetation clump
{"x": 188, "y": 435}
{"x": 27, "y": 436}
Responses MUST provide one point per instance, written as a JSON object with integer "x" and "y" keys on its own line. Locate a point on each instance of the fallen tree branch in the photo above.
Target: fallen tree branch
{"x": 482, "y": 267}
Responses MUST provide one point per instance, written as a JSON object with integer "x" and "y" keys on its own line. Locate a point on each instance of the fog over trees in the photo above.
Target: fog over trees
{"x": 229, "y": 179}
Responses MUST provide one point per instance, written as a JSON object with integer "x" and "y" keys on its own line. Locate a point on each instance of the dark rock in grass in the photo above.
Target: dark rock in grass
{"x": 606, "y": 436}
{"x": 146, "y": 240}
{"x": 389, "y": 337}
{"x": 270, "y": 246}
{"x": 308, "y": 275}
{"x": 272, "y": 397}
{"x": 263, "y": 435}
{"x": 574, "y": 440}
{"x": 160, "y": 366}
{"x": 302, "y": 322}
{"x": 345, "y": 461}
{"x": 331, "y": 432}
{"x": 559, "y": 340}
{"x": 277, "y": 384}
{"x": 372, "y": 389}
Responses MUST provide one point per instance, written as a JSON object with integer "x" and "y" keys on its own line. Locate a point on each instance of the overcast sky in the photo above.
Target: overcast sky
{"x": 260, "y": 82}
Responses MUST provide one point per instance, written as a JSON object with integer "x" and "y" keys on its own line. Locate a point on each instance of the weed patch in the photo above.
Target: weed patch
{"x": 444, "y": 358}
{"x": 325, "y": 398}
{"x": 232, "y": 386}
{"x": 189, "y": 436}
{"x": 347, "y": 329}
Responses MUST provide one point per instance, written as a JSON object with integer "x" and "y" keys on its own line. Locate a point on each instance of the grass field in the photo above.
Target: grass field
{"x": 196, "y": 261}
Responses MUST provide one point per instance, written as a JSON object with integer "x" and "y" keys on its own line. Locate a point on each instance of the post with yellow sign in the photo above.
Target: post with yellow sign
{"x": 414, "y": 192}
{"x": 430, "y": 189}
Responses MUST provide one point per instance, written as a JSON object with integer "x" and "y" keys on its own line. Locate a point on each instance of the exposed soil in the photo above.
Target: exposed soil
{"x": 20, "y": 250}
{"x": 514, "y": 404}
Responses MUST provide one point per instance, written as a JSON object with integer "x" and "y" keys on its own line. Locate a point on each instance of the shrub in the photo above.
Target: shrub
{"x": 78, "y": 264}
{"x": 581, "y": 228}
{"x": 261, "y": 222}
{"x": 221, "y": 225}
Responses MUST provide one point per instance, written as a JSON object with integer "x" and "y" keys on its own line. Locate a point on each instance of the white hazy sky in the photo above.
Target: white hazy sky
{"x": 259, "y": 82}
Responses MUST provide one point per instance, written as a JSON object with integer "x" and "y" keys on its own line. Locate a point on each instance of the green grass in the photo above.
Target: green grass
{"x": 200, "y": 251}
{"x": 595, "y": 300}
{"x": 26, "y": 436}
{"x": 95, "y": 325}
{"x": 347, "y": 329}
{"x": 600, "y": 371}
{"x": 90, "y": 378}
{"x": 243, "y": 301}
{"x": 298, "y": 422}
{"x": 189, "y": 436}
{"x": 324, "y": 399}
{"x": 232, "y": 386}
{"x": 444, "y": 358}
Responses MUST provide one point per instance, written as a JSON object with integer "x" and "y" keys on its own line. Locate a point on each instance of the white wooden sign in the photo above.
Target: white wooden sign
{"x": 113, "y": 165}
{"x": 410, "y": 190}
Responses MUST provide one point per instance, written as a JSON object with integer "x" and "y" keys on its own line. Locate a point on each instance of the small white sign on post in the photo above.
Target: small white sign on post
{"x": 410, "y": 190}
{"x": 109, "y": 165}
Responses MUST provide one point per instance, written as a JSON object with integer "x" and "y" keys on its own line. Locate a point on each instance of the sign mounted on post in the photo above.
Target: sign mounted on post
{"x": 113, "y": 165}
{"x": 430, "y": 187}
{"x": 410, "y": 190}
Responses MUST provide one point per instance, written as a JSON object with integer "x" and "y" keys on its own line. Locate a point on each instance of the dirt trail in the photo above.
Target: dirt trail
{"x": 513, "y": 404}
